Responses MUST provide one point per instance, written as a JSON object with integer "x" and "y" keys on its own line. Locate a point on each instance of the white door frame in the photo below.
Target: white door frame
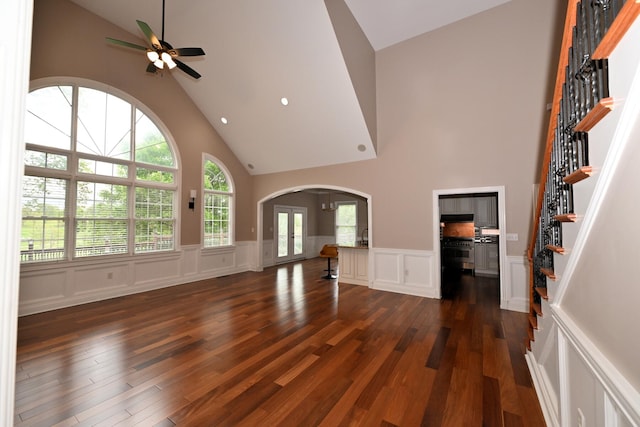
{"x": 15, "y": 47}
{"x": 502, "y": 223}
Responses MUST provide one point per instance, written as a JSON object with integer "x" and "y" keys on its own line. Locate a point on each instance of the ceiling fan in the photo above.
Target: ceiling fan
{"x": 161, "y": 53}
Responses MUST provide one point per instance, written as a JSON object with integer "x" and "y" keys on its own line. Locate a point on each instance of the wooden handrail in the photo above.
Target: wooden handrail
{"x": 569, "y": 23}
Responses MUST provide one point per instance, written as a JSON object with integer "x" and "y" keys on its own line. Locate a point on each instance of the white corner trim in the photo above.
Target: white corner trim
{"x": 15, "y": 50}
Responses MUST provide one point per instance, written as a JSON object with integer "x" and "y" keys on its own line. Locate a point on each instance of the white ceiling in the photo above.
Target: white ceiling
{"x": 259, "y": 51}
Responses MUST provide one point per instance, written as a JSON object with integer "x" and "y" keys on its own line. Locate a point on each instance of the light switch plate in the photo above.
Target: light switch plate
{"x": 512, "y": 236}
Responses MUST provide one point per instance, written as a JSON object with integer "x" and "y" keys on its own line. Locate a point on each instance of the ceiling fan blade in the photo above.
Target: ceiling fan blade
{"x": 189, "y": 51}
{"x": 148, "y": 32}
{"x": 126, "y": 44}
{"x": 184, "y": 67}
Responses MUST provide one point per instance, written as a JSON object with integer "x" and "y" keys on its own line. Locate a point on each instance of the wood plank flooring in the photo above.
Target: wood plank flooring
{"x": 280, "y": 347}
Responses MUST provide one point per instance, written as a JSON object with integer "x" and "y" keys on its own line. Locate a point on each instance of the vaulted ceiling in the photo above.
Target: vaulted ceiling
{"x": 258, "y": 52}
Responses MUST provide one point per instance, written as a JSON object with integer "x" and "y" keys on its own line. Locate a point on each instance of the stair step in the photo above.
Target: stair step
{"x": 570, "y": 217}
{"x": 556, "y": 249}
{"x": 543, "y": 293}
{"x": 549, "y": 273}
{"x": 597, "y": 113}
{"x": 531, "y": 335}
{"x": 537, "y": 309}
{"x": 527, "y": 344}
{"x": 533, "y": 320}
{"x": 579, "y": 175}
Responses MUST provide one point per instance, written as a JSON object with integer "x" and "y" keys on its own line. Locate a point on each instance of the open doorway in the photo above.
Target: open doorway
{"x": 320, "y": 204}
{"x": 475, "y": 247}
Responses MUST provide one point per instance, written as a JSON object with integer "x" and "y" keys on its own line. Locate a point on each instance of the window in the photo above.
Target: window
{"x": 218, "y": 197}
{"x": 100, "y": 177}
{"x": 346, "y": 223}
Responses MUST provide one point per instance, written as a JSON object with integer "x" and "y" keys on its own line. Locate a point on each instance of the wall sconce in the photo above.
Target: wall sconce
{"x": 192, "y": 199}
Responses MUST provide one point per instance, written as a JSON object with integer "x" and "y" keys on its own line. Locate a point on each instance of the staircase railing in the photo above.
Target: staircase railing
{"x": 581, "y": 99}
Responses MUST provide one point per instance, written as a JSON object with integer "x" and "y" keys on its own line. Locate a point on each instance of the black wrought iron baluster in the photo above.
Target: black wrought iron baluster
{"x": 607, "y": 10}
{"x": 568, "y": 191}
{"x": 572, "y": 78}
{"x": 581, "y": 62}
{"x": 557, "y": 230}
{"x": 582, "y": 148}
{"x": 593, "y": 37}
{"x": 598, "y": 20}
{"x": 603, "y": 79}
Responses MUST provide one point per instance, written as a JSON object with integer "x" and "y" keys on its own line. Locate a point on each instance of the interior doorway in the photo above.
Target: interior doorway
{"x": 319, "y": 223}
{"x": 290, "y": 224}
{"x": 497, "y": 254}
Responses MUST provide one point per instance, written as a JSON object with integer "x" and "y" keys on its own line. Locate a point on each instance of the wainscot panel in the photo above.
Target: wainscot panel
{"x": 404, "y": 271}
{"x": 89, "y": 279}
{"x": 43, "y": 286}
{"x": 267, "y": 253}
{"x": 514, "y": 294}
{"x": 161, "y": 269}
{"x": 218, "y": 260}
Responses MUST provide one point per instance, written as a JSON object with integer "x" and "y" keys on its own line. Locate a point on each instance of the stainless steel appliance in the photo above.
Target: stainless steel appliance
{"x": 458, "y": 253}
{"x": 457, "y": 234}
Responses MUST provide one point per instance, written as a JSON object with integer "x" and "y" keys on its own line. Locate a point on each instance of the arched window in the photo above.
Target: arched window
{"x": 218, "y": 204}
{"x": 100, "y": 176}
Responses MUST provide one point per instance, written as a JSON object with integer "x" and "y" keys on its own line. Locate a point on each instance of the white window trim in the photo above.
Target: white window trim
{"x": 73, "y": 175}
{"x": 232, "y": 204}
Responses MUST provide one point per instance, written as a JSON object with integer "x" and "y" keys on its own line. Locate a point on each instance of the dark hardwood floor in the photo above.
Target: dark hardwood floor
{"x": 280, "y": 347}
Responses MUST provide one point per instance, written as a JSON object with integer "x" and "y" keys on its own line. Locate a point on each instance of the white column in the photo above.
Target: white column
{"x": 15, "y": 51}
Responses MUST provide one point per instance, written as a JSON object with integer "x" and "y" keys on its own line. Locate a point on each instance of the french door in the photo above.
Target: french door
{"x": 290, "y": 230}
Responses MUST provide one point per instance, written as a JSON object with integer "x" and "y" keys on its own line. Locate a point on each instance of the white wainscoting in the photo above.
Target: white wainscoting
{"x": 587, "y": 382}
{"x": 57, "y": 285}
{"x": 50, "y": 286}
{"x": 403, "y": 271}
{"x": 514, "y": 294}
{"x": 414, "y": 272}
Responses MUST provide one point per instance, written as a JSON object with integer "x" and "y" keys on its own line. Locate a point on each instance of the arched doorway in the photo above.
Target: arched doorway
{"x": 312, "y": 197}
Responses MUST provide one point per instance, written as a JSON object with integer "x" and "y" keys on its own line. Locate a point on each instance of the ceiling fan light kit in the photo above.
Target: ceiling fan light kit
{"x": 160, "y": 52}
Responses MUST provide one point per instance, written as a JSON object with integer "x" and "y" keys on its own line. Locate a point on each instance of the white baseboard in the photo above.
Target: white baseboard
{"x": 544, "y": 391}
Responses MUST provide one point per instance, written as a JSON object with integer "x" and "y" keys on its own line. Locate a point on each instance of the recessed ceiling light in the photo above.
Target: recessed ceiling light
{"x": 284, "y": 101}
{"x": 224, "y": 120}
{"x": 249, "y": 165}
{"x": 361, "y": 147}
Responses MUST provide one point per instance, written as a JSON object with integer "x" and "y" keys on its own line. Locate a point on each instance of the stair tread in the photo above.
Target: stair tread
{"x": 549, "y": 273}
{"x": 597, "y": 113}
{"x": 533, "y": 320}
{"x": 557, "y": 249}
{"x": 570, "y": 217}
{"x": 579, "y": 175}
{"x": 537, "y": 309}
{"x": 542, "y": 292}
